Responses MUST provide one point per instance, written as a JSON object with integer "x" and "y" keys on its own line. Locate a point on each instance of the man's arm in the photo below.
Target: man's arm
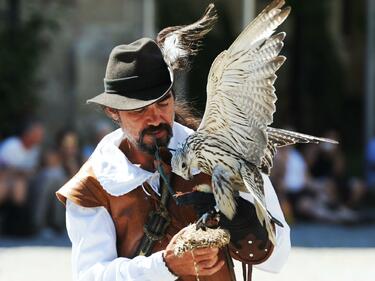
{"x": 281, "y": 250}
{"x": 94, "y": 253}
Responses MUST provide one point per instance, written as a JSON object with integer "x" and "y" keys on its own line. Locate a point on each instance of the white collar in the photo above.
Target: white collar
{"x": 116, "y": 173}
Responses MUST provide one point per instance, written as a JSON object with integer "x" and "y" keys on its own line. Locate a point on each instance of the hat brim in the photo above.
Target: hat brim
{"x": 124, "y": 103}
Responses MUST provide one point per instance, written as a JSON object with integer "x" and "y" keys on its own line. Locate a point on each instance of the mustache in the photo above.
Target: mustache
{"x": 152, "y": 129}
{"x": 151, "y": 148}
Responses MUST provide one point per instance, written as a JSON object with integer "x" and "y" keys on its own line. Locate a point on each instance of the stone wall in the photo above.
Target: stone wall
{"x": 75, "y": 64}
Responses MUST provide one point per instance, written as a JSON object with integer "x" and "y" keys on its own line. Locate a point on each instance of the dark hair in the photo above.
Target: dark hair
{"x": 185, "y": 115}
{"x": 27, "y": 125}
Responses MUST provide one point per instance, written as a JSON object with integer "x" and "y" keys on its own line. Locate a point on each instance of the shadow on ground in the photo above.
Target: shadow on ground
{"x": 325, "y": 235}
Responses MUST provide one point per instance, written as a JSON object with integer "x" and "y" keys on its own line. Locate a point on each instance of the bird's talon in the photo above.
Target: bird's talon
{"x": 210, "y": 219}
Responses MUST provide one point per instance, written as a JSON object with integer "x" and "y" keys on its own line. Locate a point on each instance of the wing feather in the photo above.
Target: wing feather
{"x": 179, "y": 43}
{"x": 240, "y": 93}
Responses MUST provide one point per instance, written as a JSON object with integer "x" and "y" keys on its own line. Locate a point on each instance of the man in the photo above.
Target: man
{"x": 110, "y": 200}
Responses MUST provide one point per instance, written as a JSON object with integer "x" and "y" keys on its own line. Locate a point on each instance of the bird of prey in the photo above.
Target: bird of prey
{"x": 234, "y": 142}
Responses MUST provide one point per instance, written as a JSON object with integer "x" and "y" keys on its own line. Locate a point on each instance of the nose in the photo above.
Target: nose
{"x": 153, "y": 115}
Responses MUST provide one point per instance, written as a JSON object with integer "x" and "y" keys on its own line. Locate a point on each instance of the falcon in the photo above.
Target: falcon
{"x": 234, "y": 143}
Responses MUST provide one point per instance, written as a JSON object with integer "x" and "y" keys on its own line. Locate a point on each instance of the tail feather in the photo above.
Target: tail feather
{"x": 279, "y": 138}
{"x": 265, "y": 220}
{"x": 254, "y": 183}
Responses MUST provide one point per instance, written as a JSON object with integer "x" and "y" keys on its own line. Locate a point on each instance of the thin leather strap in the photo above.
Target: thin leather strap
{"x": 247, "y": 270}
{"x": 244, "y": 271}
{"x": 230, "y": 264}
{"x": 156, "y": 224}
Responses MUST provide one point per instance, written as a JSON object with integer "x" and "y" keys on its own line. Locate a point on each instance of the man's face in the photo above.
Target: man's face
{"x": 150, "y": 124}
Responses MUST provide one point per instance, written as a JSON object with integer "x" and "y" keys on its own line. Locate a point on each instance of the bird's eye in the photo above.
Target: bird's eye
{"x": 183, "y": 165}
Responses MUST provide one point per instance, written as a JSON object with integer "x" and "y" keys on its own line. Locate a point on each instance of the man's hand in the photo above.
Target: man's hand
{"x": 202, "y": 261}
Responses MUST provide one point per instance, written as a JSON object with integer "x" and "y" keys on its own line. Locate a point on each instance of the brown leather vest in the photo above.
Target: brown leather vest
{"x": 130, "y": 211}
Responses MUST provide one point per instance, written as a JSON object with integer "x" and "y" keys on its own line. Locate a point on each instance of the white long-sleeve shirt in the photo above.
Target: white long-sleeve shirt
{"x": 92, "y": 231}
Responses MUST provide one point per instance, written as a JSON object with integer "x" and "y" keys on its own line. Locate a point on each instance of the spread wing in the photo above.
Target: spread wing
{"x": 240, "y": 93}
{"x": 179, "y": 43}
{"x": 279, "y": 138}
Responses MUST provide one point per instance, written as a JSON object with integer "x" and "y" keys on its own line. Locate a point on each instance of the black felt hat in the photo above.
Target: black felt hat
{"x": 136, "y": 76}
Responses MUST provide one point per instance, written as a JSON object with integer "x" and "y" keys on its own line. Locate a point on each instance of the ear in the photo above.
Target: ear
{"x": 112, "y": 113}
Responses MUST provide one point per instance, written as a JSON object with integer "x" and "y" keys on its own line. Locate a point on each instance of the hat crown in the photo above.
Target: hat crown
{"x": 140, "y": 58}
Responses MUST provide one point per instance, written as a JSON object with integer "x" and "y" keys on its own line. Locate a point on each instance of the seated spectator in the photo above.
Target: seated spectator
{"x": 58, "y": 165}
{"x": 101, "y": 129}
{"x": 70, "y": 152}
{"x": 22, "y": 152}
{"x": 19, "y": 156}
{"x": 292, "y": 174}
{"x": 329, "y": 170}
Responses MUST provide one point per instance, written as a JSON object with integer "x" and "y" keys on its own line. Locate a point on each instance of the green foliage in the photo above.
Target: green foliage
{"x": 22, "y": 48}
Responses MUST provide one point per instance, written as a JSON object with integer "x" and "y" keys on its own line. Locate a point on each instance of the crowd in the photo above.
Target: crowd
{"x": 32, "y": 168}
{"x": 312, "y": 182}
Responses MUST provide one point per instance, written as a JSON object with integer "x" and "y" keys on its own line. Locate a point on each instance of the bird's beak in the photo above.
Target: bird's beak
{"x": 188, "y": 177}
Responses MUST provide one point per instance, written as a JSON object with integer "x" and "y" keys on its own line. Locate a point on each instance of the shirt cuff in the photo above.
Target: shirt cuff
{"x": 158, "y": 263}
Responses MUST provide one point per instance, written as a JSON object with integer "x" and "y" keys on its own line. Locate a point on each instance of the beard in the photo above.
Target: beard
{"x": 151, "y": 148}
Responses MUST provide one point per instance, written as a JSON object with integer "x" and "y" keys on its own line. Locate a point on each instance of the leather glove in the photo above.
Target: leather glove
{"x": 245, "y": 221}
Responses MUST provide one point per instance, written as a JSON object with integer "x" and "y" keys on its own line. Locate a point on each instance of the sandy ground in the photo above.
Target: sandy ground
{"x": 307, "y": 264}
{"x": 320, "y": 253}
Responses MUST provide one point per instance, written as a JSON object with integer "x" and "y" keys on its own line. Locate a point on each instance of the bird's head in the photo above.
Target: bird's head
{"x": 182, "y": 163}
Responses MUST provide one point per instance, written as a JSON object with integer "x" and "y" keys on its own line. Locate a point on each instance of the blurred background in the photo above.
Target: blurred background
{"x": 53, "y": 56}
